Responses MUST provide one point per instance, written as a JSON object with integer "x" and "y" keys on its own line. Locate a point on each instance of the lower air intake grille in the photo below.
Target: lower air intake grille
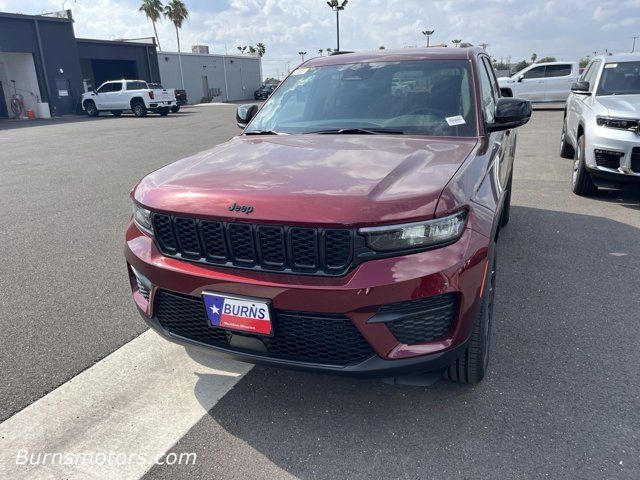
{"x": 608, "y": 159}
{"x": 424, "y": 320}
{"x": 301, "y": 336}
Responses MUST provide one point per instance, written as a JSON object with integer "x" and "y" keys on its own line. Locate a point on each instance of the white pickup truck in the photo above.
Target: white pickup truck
{"x": 116, "y": 96}
{"x": 541, "y": 82}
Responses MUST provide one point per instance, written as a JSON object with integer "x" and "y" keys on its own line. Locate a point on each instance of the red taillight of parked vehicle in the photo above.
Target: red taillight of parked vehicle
{"x": 151, "y": 95}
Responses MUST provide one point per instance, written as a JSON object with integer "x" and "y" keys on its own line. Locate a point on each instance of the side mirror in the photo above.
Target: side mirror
{"x": 244, "y": 114}
{"x": 520, "y": 78}
{"x": 510, "y": 113}
{"x": 581, "y": 88}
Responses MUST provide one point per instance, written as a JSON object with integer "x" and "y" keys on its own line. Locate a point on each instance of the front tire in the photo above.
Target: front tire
{"x": 139, "y": 110}
{"x": 471, "y": 366}
{"x": 581, "y": 182}
{"x": 91, "y": 109}
{"x": 175, "y": 109}
{"x": 566, "y": 150}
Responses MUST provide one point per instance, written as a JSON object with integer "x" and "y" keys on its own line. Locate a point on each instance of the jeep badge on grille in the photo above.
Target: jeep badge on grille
{"x": 240, "y": 208}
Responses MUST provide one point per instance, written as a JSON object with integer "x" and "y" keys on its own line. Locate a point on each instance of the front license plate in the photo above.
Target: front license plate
{"x": 243, "y": 314}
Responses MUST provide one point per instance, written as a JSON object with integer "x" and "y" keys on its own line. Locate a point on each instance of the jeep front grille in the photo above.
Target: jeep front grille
{"x": 272, "y": 248}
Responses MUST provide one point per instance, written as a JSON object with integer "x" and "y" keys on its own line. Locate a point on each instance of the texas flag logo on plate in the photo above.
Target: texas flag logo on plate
{"x": 236, "y": 313}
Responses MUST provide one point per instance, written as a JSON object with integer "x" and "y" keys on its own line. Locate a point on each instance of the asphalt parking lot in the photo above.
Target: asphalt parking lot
{"x": 561, "y": 399}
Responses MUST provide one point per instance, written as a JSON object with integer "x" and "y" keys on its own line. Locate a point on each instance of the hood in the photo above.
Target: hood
{"x": 309, "y": 179}
{"x": 621, "y": 105}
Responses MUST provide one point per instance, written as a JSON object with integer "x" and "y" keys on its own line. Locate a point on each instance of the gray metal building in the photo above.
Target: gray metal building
{"x": 211, "y": 77}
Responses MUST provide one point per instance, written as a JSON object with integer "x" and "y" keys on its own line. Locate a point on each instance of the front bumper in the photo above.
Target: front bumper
{"x": 455, "y": 269}
{"x": 613, "y": 155}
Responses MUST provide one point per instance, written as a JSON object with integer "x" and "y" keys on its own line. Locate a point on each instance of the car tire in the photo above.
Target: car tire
{"x": 116, "y": 113}
{"x": 91, "y": 109}
{"x": 139, "y": 110}
{"x": 175, "y": 108}
{"x": 506, "y": 208}
{"x": 566, "y": 150}
{"x": 471, "y": 366}
{"x": 581, "y": 182}
{"x": 163, "y": 111}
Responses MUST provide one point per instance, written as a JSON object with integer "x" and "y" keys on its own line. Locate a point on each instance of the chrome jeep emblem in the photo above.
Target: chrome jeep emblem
{"x": 246, "y": 209}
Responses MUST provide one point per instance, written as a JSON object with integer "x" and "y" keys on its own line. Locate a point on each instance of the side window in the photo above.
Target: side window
{"x": 591, "y": 74}
{"x": 492, "y": 76}
{"x": 488, "y": 99}
{"x": 563, "y": 70}
{"x": 536, "y": 72}
{"x": 136, "y": 85}
{"x": 104, "y": 88}
{"x": 116, "y": 86}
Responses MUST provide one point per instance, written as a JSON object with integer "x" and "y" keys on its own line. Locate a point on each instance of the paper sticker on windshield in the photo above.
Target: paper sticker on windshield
{"x": 611, "y": 65}
{"x": 300, "y": 71}
{"x": 457, "y": 120}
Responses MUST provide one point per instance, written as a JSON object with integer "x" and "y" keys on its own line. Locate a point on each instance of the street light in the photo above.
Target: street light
{"x": 428, "y": 33}
{"x": 456, "y": 42}
{"x": 337, "y": 7}
{"x": 302, "y": 54}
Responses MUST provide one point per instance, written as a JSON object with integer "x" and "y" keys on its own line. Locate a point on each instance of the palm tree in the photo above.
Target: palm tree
{"x": 261, "y": 49}
{"x": 329, "y": 50}
{"x": 534, "y": 57}
{"x": 252, "y": 50}
{"x": 153, "y": 10}
{"x": 239, "y": 49}
{"x": 320, "y": 51}
{"x": 177, "y": 12}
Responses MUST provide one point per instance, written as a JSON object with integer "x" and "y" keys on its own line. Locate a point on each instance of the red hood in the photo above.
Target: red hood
{"x": 310, "y": 179}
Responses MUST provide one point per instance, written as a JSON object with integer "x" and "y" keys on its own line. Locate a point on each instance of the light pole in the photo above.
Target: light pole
{"x": 484, "y": 45}
{"x": 633, "y": 48}
{"x": 302, "y": 54}
{"x": 428, "y": 33}
{"x": 456, "y": 42}
{"x": 337, "y": 7}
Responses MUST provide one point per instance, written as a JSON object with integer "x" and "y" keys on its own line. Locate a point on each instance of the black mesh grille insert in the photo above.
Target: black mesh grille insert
{"x": 607, "y": 160}
{"x": 423, "y": 320}
{"x": 301, "y": 336}
{"x": 635, "y": 160}
{"x": 275, "y": 248}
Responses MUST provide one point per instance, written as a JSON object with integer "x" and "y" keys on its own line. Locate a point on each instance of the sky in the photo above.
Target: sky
{"x": 564, "y": 29}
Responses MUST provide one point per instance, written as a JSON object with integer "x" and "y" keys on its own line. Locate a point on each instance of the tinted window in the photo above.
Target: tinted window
{"x": 432, "y": 97}
{"x": 622, "y": 78}
{"x": 492, "y": 76}
{"x": 536, "y": 72}
{"x": 136, "y": 85}
{"x": 110, "y": 87}
{"x": 155, "y": 86}
{"x": 558, "y": 70}
{"x": 488, "y": 98}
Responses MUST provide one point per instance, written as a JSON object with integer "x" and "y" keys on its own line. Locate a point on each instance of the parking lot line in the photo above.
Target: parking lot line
{"x": 135, "y": 403}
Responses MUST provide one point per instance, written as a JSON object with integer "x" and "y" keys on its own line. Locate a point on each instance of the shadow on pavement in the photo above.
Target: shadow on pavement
{"x": 560, "y": 400}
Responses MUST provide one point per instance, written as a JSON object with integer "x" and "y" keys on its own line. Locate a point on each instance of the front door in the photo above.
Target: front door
{"x": 532, "y": 85}
{"x": 4, "y": 113}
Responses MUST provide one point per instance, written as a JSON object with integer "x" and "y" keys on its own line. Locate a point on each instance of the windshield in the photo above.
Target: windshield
{"x": 622, "y": 78}
{"x": 409, "y": 97}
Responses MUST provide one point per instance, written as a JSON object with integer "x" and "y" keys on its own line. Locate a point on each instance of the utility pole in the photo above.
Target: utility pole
{"x": 428, "y": 33}
{"x": 633, "y": 48}
{"x": 484, "y": 45}
{"x": 337, "y": 7}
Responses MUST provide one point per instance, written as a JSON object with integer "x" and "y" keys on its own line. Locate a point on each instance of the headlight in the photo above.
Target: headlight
{"x": 619, "y": 123}
{"x": 416, "y": 235}
{"x": 142, "y": 217}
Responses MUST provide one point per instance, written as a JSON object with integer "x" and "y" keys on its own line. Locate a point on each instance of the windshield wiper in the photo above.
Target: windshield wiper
{"x": 359, "y": 131}
{"x": 262, "y": 132}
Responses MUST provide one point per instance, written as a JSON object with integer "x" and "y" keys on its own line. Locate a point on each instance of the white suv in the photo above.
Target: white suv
{"x": 601, "y": 128}
{"x": 135, "y": 95}
{"x": 541, "y": 82}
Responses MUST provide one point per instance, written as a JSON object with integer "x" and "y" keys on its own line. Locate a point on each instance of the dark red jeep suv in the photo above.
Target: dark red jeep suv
{"x": 351, "y": 228}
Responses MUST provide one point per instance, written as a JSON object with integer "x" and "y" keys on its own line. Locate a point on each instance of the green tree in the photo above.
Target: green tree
{"x": 534, "y": 56}
{"x": 584, "y": 62}
{"x": 381, "y": 47}
{"x": 153, "y": 10}
{"x": 320, "y": 51}
{"x": 520, "y": 66}
{"x": 548, "y": 59}
{"x": 252, "y": 50}
{"x": 261, "y": 49}
{"x": 177, "y": 12}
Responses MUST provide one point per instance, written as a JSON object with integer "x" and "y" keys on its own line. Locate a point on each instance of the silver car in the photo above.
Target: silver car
{"x": 601, "y": 129}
